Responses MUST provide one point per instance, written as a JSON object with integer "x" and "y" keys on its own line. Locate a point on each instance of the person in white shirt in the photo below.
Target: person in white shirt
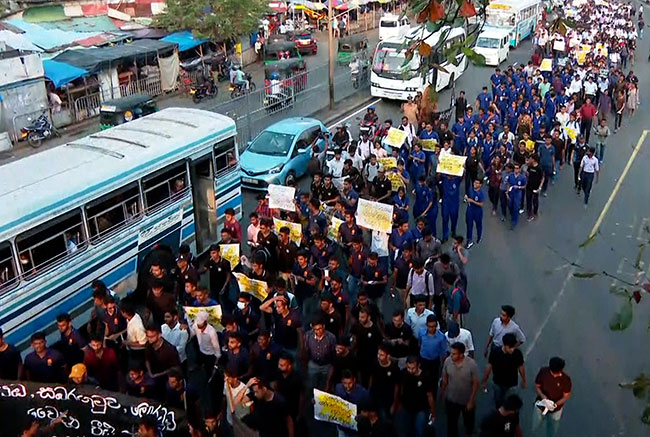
{"x": 589, "y": 167}
{"x": 562, "y": 117}
{"x": 335, "y": 164}
{"x": 457, "y": 334}
{"x": 176, "y": 334}
{"x": 379, "y": 151}
{"x": 235, "y": 392}
{"x": 501, "y": 326}
{"x": 371, "y": 170}
{"x": 253, "y": 229}
{"x": 206, "y": 335}
{"x": 409, "y": 129}
{"x": 416, "y": 317}
{"x": 419, "y": 283}
{"x": 591, "y": 88}
{"x": 364, "y": 147}
{"x": 136, "y": 336}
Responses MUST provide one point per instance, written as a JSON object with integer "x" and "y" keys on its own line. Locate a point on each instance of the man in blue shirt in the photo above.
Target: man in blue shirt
{"x": 547, "y": 161}
{"x": 450, "y": 205}
{"x": 426, "y": 204}
{"x": 433, "y": 349}
{"x": 349, "y": 390}
{"x": 474, "y": 214}
{"x": 484, "y": 99}
{"x": 458, "y": 129}
{"x": 496, "y": 80}
{"x": 516, "y": 186}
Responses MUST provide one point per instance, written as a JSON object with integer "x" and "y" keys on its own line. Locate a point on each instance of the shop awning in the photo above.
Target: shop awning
{"x": 185, "y": 40}
{"x": 279, "y": 7}
{"x": 61, "y": 73}
{"x": 95, "y": 59}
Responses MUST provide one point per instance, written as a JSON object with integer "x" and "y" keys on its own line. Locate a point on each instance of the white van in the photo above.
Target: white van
{"x": 392, "y": 27}
{"x": 493, "y": 43}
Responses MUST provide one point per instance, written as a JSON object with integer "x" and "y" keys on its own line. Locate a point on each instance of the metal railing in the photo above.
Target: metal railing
{"x": 87, "y": 106}
{"x": 297, "y": 96}
{"x": 148, "y": 85}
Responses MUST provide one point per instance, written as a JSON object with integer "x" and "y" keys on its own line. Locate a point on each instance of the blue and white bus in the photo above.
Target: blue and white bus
{"x": 519, "y": 16}
{"x": 93, "y": 208}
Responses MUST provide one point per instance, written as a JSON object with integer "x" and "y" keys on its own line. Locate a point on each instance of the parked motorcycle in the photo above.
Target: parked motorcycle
{"x": 240, "y": 90}
{"x": 359, "y": 72}
{"x": 41, "y": 129}
{"x": 206, "y": 90}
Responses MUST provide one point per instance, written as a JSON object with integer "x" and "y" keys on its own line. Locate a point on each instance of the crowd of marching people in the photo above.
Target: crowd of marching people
{"x": 380, "y": 326}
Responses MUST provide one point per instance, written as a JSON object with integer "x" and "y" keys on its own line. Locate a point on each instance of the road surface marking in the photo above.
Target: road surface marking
{"x": 581, "y": 250}
{"x": 618, "y": 184}
{"x": 353, "y": 114}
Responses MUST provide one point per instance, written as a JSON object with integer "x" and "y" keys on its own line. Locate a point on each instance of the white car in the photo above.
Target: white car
{"x": 493, "y": 43}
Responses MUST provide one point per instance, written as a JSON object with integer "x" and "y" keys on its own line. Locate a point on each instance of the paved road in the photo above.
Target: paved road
{"x": 530, "y": 269}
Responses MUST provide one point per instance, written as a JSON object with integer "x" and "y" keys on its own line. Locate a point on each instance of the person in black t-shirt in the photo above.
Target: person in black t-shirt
{"x": 158, "y": 303}
{"x": 384, "y": 381}
{"x": 271, "y": 413}
{"x": 160, "y": 358}
{"x": 219, "y": 272}
{"x": 381, "y": 187}
{"x": 417, "y": 402}
{"x": 287, "y": 251}
{"x": 364, "y": 302}
{"x": 269, "y": 241}
{"x": 287, "y": 326}
{"x": 400, "y": 338}
{"x": 505, "y": 363}
{"x": 505, "y": 421}
{"x": 11, "y": 364}
{"x": 534, "y": 186}
{"x": 289, "y": 384}
{"x": 374, "y": 278}
{"x": 303, "y": 279}
{"x": 316, "y": 185}
{"x": 329, "y": 194}
{"x": 71, "y": 344}
{"x": 367, "y": 338}
{"x": 345, "y": 359}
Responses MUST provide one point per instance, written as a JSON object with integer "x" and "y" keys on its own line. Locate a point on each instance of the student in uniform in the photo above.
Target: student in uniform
{"x": 516, "y": 186}
{"x": 450, "y": 205}
{"x": 474, "y": 213}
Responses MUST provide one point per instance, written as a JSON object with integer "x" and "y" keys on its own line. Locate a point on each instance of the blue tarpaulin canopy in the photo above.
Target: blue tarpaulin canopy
{"x": 61, "y": 73}
{"x": 185, "y": 40}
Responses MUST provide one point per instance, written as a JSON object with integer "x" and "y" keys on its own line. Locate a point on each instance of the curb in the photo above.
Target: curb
{"x": 342, "y": 111}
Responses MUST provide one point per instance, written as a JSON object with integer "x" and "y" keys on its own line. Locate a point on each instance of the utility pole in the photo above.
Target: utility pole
{"x": 330, "y": 39}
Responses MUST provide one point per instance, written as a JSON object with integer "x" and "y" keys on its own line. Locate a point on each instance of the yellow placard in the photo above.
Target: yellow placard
{"x": 546, "y": 65}
{"x": 214, "y": 313}
{"x": 571, "y": 132}
{"x": 499, "y": 6}
{"x": 258, "y": 289}
{"x": 581, "y": 55}
{"x": 428, "y": 144}
{"x": 375, "y": 215}
{"x": 230, "y": 252}
{"x": 295, "y": 228}
{"x": 333, "y": 409}
{"x": 395, "y": 137}
{"x": 451, "y": 165}
{"x": 333, "y": 231}
{"x": 395, "y": 179}
{"x": 387, "y": 163}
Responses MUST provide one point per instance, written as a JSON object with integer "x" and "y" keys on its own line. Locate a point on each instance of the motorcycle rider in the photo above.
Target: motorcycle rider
{"x": 342, "y": 138}
{"x": 240, "y": 79}
{"x": 370, "y": 119}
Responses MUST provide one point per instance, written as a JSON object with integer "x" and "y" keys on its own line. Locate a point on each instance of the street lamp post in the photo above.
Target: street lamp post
{"x": 330, "y": 38}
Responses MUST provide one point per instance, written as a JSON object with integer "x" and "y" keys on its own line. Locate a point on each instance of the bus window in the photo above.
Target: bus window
{"x": 225, "y": 156}
{"x": 7, "y": 267}
{"x": 50, "y": 242}
{"x": 113, "y": 211}
{"x": 164, "y": 186}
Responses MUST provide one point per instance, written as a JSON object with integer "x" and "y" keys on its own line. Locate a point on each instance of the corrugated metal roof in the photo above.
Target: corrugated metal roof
{"x": 83, "y": 24}
{"x": 49, "y": 39}
{"x": 40, "y": 14}
{"x": 18, "y": 41}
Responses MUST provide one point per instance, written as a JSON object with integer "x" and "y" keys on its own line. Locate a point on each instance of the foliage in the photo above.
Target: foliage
{"x": 631, "y": 294}
{"x": 215, "y": 19}
{"x": 434, "y": 15}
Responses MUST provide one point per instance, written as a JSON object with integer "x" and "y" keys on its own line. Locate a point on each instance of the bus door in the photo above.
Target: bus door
{"x": 205, "y": 205}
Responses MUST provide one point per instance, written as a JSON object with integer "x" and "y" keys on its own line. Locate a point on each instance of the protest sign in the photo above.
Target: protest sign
{"x": 379, "y": 243}
{"x": 451, "y": 165}
{"x": 333, "y": 409}
{"x": 581, "y": 55}
{"x": 258, "y": 289}
{"x": 375, "y": 215}
{"x": 214, "y": 313}
{"x": 295, "y": 228}
{"x": 333, "y": 231}
{"x": 546, "y": 65}
{"x": 84, "y": 410}
{"x": 230, "y": 252}
{"x": 428, "y": 144}
{"x": 395, "y": 179}
{"x": 558, "y": 45}
{"x": 395, "y": 137}
{"x": 281, "y": 197}
{"x": 387, "y": 163}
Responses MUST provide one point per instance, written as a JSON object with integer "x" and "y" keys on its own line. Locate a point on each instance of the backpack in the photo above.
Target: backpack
{"x": 464, "y": 301}
{"x": 427, "y": 275}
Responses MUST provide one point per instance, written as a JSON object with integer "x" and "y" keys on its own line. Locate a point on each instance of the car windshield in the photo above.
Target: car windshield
{"x": 272, "y": 143}
{"x": 388, "y": 24}
{"x": 306, "y": 36}
{"x": 389, "y": 62}
{"x": 487, "y": 43}
{"x": 500, "y": 19}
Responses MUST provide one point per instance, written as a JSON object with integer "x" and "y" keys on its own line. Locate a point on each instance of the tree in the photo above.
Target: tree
{"x": 214, "y": 19}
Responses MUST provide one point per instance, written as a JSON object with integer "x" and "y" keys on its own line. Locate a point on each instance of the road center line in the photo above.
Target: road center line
{"x": 581, "y": 250}
{"x": 354, "y": 113}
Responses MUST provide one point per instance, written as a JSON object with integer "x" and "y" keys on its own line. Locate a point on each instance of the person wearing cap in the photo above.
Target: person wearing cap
{"x": 456, "y": 334}
{"x": 209, "y": 347}
{"x": 186, "y": 272}
{"x": 218, "y": 269}
{"x": 382, "y": 187}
